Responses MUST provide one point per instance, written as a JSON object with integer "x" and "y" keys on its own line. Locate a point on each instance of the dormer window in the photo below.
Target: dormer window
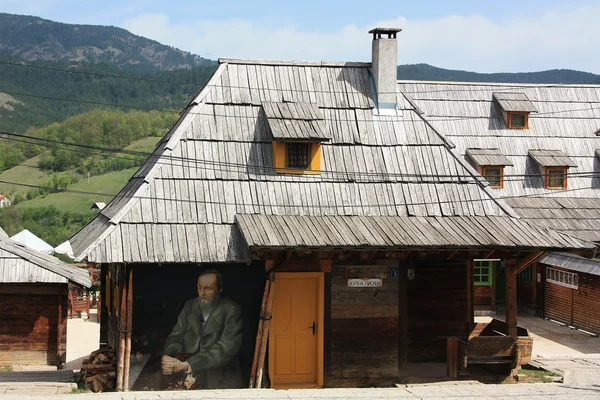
{"x": 556, "y": 178}
{"x": 298, "y": 131}
{"x": 517, "y": 120}
{"x": 297, "y": 155}
{"x": 494, "y": 176}
{"x": 490, "y": 163}
{"x": 516, "y": 108}
{"x": 554, "y": 165}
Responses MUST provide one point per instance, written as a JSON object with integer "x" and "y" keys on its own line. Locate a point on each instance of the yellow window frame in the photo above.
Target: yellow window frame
{"x": 280, "y": 155}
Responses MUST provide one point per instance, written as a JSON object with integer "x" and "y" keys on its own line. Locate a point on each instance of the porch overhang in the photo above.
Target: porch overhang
{"x": 292, "y": 232}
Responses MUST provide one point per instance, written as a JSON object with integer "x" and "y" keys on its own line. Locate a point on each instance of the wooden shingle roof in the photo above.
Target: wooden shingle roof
{"x": 284, "y": 232}
{"x": 20, "y": 264}
{"x": 551, "y": 158}
{"x": 216, "y": 163}
{"x": 485, "y": 157}
{"x": 514, "y": 102}
{"x": 567, "y": 119}
{"x": 572, "y": 262}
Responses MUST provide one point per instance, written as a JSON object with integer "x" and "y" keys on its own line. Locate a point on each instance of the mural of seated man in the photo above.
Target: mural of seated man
{"x": 201, "y": 352}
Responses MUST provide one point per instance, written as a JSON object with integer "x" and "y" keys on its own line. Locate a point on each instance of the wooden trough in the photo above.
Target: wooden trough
{"x": 489, "y": 345}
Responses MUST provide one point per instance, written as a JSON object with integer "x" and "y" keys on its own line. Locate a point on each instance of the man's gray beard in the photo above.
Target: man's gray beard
{"x": 207, "y": 307}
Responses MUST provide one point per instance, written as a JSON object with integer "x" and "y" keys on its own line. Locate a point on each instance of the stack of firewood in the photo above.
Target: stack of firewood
{"x": 98, "y": 372}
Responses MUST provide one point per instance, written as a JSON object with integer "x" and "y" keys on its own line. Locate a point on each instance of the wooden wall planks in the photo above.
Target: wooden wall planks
{"x": 33, "y": 325}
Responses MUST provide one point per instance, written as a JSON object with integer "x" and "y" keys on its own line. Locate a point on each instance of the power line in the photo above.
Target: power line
{"x": 355, "y": 120}
{"x": 473, "y": 88}
{"x": 236, "y": 167}
{"x": 309, "y": 206}
{"x": 98, "y": 74}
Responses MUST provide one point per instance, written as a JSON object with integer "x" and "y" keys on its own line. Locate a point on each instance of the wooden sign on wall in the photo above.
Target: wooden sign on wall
{"x": 365, "y": 282}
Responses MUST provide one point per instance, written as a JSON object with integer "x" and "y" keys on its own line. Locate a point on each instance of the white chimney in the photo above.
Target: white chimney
{"x": 384, "y": 62}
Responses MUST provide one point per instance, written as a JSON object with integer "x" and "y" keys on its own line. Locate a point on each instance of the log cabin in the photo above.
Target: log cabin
{"x": 34, "y": 304}
{"x": 321, "y": 185}
{"x": 545, "y": 163}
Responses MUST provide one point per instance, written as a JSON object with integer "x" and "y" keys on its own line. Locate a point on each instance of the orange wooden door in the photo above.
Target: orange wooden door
{"x": 295, "y": 344}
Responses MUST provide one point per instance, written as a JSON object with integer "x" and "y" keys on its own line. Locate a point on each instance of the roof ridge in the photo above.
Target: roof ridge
{"x": 501, "y": 84}
{"x": 224, "y": 60}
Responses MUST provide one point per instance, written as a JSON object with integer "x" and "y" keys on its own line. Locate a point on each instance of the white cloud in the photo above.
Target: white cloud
{"x": 476, "y": 43}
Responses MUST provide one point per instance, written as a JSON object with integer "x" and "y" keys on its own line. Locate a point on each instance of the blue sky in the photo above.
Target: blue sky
{"x": 482, "y": 36}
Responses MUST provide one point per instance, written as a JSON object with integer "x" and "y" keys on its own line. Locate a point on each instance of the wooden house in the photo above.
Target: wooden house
{"x": 324, "y": 176}
{"x": 571, "y": 290}
{"x": 34, "y": 304}
{"x": 538, "y": 147}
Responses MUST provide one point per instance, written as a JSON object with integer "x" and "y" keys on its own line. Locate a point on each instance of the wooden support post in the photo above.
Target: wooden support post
{"x": 325, "y": 265}
{"x": 511, "y": 298}
{"x": 470, "y": 306}
{"x": 265, "y": 334}
{"x": 60, "y": 327}
{"x": 259, "y": 334}
{"x": 269, "y": 265}
{"x": 452, "y": 357}
{"x": 129, "y": 327}
{"x": 403, "y": 319}
{"x": 121, "y": 326}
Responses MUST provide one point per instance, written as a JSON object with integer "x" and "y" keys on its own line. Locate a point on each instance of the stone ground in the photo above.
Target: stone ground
{"x": 571, "y": 353}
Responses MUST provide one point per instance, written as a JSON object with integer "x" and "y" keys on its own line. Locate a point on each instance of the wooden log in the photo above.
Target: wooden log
{"x": 403, "y": 319}
{"x": 129, "y": 327}
{"x": 265, "y": 334}
{"x": 511, "y": 298}
{"x": 452, "y": 357}
{"x": 259, "y": 334}
{"x": 60, "y": 330}
{"x": 122, "y": 324}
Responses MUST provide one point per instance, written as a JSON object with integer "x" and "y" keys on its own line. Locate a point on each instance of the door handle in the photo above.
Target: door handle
{"x": 313, "y": 327}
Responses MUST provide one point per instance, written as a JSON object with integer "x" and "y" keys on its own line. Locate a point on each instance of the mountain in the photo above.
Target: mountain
{"x": 36, "y": 39}
{"x": 426, "y": 72}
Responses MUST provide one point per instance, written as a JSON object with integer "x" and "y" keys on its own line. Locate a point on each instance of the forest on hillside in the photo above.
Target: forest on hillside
{"x": 47, "y": 92}
{"x": 95, "y": 129}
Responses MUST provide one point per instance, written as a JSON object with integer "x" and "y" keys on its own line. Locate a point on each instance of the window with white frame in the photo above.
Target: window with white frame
{"x": 562, "y": 278}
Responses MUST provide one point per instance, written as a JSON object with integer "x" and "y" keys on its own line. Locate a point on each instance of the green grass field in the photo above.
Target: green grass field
{"x": 146, "y": 144}
{"x": 27, "y": 172}
{"x": 106, "y": 186}
{"x": 14, "y": 180}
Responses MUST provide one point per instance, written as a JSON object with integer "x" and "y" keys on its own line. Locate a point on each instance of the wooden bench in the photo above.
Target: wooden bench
{"x": 79, "y": 300}
{"x": 486, "y": 350}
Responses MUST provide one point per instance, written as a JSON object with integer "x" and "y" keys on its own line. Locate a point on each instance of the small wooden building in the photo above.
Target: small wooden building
{"x": 323, "y": 180}
{"x": 33, "y": 304}
{"x": 571, "y": 290}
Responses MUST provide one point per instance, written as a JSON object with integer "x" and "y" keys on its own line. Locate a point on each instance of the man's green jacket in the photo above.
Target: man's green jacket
{"x": 214, "y": 359}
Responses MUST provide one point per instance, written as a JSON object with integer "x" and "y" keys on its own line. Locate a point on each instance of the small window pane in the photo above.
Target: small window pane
{"x": 493, "y": 176}
{"x": 556, "y": 178}
{"x": 297, "y": 155}
{"x": 517, "y": 120}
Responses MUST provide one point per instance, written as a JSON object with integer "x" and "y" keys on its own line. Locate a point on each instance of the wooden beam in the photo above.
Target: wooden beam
{"x": 403, "y": 320}
{"x": 511, "y": 297}
{"x": 455, "y": 252}
{"x": 122, "y": 327}
{"x": 325, "y": 266}
{"x": 269, "y": 265}
{"x": 259, "y": 334}
{"x": 470, "y": 302}
{"x": 528, "y": 261}
{"x": 265, "y": 334}
{"x": 490, "y": 254}
{"x": 452, "y": 357}
{"x": 129, "y": 328}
